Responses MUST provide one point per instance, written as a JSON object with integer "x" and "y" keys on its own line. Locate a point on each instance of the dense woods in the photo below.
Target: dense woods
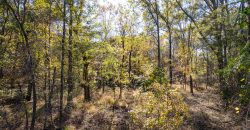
{"x": 127, "y": 64}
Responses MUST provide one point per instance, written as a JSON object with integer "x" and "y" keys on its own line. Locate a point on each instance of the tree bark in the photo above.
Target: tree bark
{"x": 70, "y": 59}
{"x": 29, "y": 92}
{"x": 86, "y": 86}
{"x": 51, "y": 94}
{"x": 170, "y": 56}
{"x": 62, "y": 67}
{"x": 130, "y": 63}
{"x": 45, "y": 101}
{"x": 158, "y": 35}
{"x": 122, "y": 64}
{"x": 33, "y": 120}
{"x": 191, "y": 85}
{"x": 207, "y": 69}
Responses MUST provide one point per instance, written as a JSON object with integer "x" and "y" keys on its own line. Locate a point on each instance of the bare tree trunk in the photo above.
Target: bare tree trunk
{"x": 122, "y": 65}
{"x": 185, "y": 80}
{"x": 45, "y": 101}
{"x": 189, "y": 59}
{"x": 51, "y": 94}
{"x": 86, "y": 86}
{"x": 220, "y": 64}
{"x": 70, "y": 60}
{"x": 207, "y": 69}
{"x": 191, "y": 85}
{"x": 33, "y": 120}
{"x": 47, "y": 76}
{"x": 170, "y": 56}
{"x": 158, "y": 35}
{"x": 29, "y": 91}
{"x": 103, "y": 85}
{"x": 62, "y": 67}
{"x": 129, "y": 63}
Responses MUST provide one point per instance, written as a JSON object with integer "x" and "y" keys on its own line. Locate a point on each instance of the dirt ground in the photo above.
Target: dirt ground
{"x": 206, "y": 112}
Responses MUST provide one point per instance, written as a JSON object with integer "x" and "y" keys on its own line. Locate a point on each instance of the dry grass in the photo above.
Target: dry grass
{"x": 107, "y": 112}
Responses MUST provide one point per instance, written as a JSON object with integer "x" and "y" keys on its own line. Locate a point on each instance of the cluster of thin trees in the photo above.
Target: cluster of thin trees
{"x": 208, "y": 38}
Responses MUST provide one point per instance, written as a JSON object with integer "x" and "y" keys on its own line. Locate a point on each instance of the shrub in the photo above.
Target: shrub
{"x": 159, "y": 109}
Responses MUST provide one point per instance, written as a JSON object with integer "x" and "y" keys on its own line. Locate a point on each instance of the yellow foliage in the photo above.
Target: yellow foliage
{"x": 164, "y": 111}
{"x": 237, "y": 109}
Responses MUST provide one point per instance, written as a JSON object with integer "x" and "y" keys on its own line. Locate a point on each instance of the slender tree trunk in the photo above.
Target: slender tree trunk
{"x": 51, "y": 94}
{"x": 33, "y": 120}
{"x": 221, "y": 67}
{"x": 224, "y": 30}
{"x": 191, "y": 85}
{"x": 207, "y": 69}
{"x": 158, "y": 35}
{"x": 103, "y": 85}
{"x": 189, "y": 59}
{"x": 62, "y": 67}
{"x": 130, "y": 63}
{"x": 45, "y": 101}
{"x": 70, "y": 60}
{"x": 122, "y": 65}
{"x": 47, "y": 76}
{"x": 170, "y": 56}
{"x": 29, "y": 91}
{"x": 48, "y": 64}
{"x": 86, "y": 86}
{"x": 185, "y": 80}
{"x": 220, "y": 59}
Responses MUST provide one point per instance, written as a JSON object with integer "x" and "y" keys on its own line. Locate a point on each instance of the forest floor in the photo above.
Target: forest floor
{"x": 207, "y": 111}
{"x": 104, "y": 112}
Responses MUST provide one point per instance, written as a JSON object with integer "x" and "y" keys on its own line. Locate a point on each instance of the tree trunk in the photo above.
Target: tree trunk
{"x": 45, "y": 101}
{"x": 51, "y": 95}
{"x": 220, "y": 60}
{"x": 103, "y": 85}
{"x": 33, "y": 120}
{"x": 185, "y": 80}
{"x": 158, "y": 35}
{"x": 62, "y": 67}
{"x": 70, "y": 60}
{"x": 191, "y": 85}
{"x": 207, "y": 69}
{"x": 29, "y": 91}
{"x": 170, "y": 57}
{"x": 122, "y": 65}
{"x": 47, "y": 76}
{"x": 129, "y": 63}
{"x": 86, "y": 86}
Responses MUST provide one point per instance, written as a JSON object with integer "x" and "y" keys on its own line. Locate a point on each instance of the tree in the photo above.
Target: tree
{"x": 62, "y": 66}
{"x": 70, "y": 57}
{"x": 152, "y": 8}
